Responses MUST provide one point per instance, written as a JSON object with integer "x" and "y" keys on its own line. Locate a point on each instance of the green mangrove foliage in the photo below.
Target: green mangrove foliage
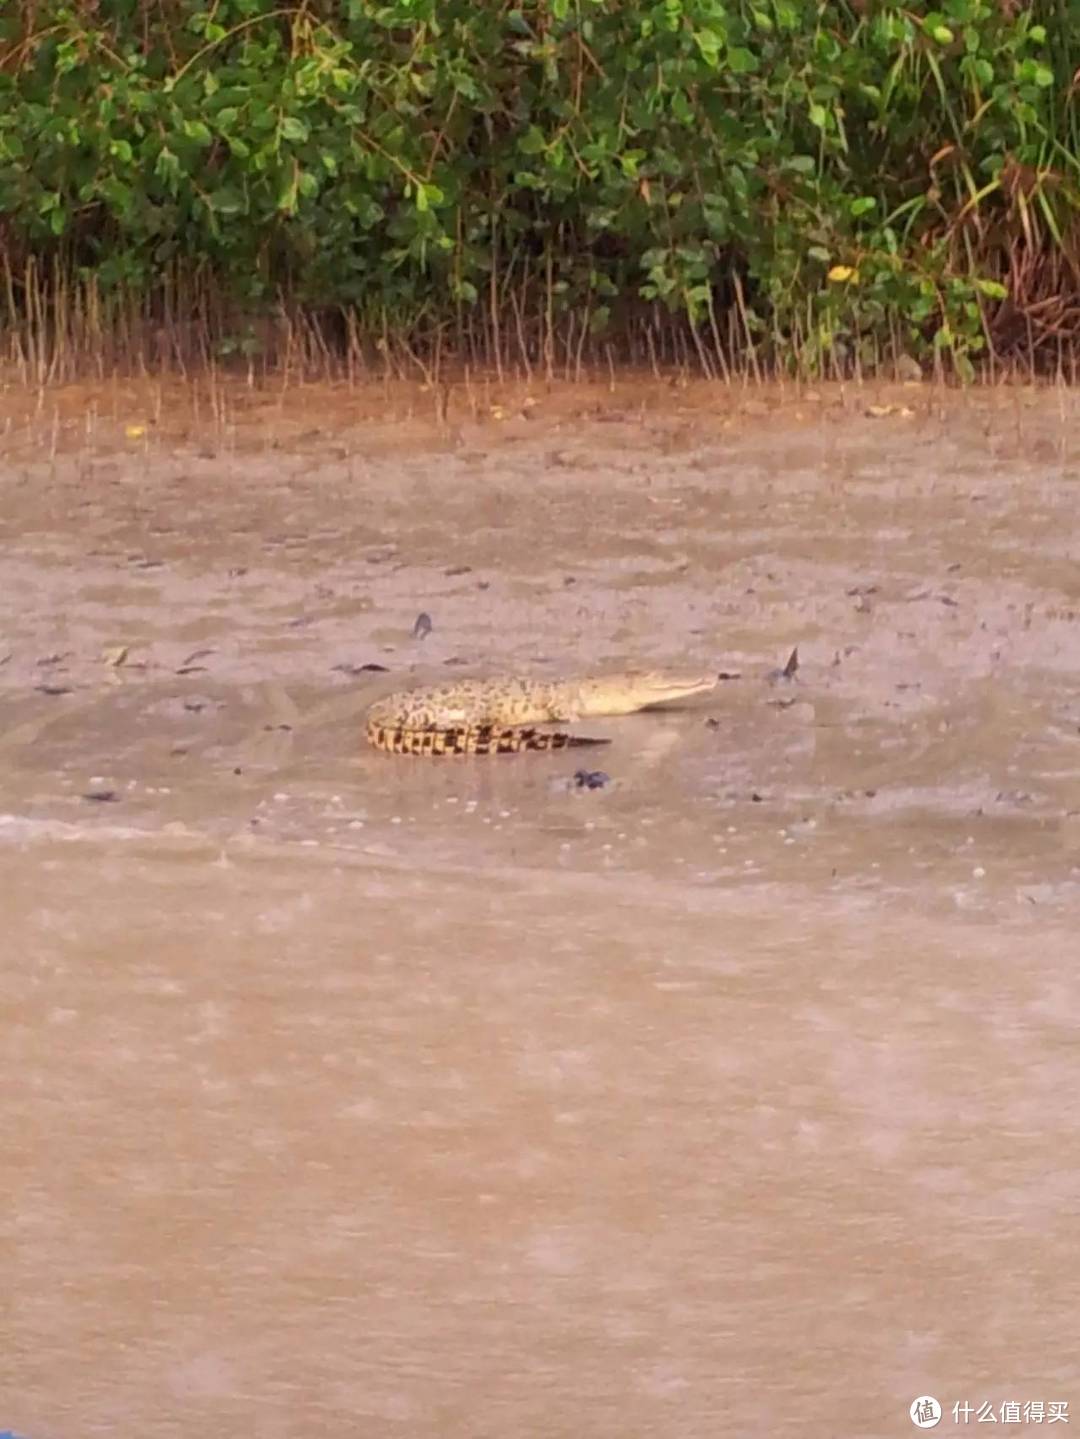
{"x": 812, "y": 184}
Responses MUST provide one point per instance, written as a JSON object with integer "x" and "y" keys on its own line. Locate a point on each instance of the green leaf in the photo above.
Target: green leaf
{"x": 227, "y": 201}
{"x": 167, "y": 167}
{"x": 710, "y": 44}
{"x": 293, "y": 128}
{"x": 993, "y": 288}
{"x": 741, "y": 61}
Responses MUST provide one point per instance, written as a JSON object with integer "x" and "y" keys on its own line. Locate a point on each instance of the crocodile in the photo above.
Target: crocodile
{"x": 499, "y": 716}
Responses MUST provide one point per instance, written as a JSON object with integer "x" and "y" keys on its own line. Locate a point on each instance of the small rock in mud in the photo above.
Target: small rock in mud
{"x": 101, "y": 796}
{"x": 53, "y": 689}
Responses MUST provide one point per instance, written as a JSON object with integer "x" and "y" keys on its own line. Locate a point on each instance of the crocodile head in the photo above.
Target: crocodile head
{"x": 630, "y": 690}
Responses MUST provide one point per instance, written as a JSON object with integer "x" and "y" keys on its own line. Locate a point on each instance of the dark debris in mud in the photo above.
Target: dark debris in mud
{"x": 591, "y": 779}
{"x": 787, "y": 672}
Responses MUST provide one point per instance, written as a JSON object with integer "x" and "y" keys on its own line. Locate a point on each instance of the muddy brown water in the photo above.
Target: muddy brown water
{"x": 354, "y": 1095}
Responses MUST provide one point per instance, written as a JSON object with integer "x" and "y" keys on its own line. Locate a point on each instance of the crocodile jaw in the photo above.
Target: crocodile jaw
{"x": 627, "y": 693}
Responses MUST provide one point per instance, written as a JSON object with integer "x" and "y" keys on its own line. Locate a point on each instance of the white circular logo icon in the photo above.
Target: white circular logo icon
{"x": 925, "y": 1412}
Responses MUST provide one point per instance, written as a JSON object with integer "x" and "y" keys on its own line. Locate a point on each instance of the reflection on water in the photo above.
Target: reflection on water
{"x": 348, "y": 1095}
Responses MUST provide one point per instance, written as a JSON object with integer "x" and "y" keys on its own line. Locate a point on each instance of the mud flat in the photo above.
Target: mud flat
{"x": 350, "y": 1094}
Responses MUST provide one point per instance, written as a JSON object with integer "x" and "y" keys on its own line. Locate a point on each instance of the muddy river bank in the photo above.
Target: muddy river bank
{"x": 354, "y": 1094}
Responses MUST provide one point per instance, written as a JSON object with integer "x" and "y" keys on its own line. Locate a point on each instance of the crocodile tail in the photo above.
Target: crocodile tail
{"x": 472, "y": 739}
{"x": 511, "y": 741}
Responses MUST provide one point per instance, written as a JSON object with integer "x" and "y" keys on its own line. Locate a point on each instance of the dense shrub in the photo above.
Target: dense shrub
{"x": 784, "y": 182}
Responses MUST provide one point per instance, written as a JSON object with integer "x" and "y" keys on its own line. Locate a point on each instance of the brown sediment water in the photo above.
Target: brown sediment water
{"x": 350, "y": 1094}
